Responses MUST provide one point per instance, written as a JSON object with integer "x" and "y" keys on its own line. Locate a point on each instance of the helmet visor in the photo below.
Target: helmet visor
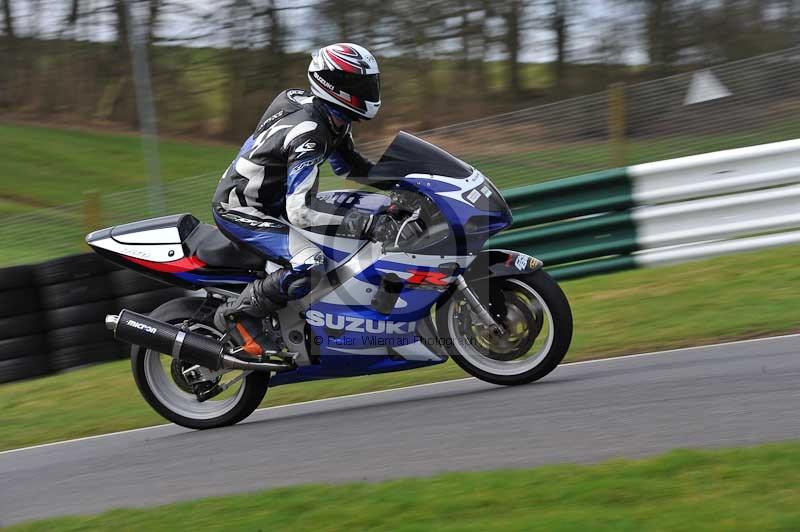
{"x": 364, "y": 87}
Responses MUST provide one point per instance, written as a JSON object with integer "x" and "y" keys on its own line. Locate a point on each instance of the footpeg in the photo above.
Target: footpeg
{"x": 248, "y": 333}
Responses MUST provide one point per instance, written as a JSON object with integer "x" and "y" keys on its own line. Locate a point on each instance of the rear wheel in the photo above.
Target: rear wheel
{"x": 161, "y": 380}
{"x": 537, "y": 329}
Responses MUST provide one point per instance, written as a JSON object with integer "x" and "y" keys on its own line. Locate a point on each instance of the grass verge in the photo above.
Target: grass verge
{"x": 738, "y": 489}
{"x": 725, "y": 298}
{"x": 81, "y": 160}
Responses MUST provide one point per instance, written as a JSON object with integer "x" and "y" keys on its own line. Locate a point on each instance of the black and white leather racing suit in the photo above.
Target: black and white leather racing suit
{"x": 275, "y": 178}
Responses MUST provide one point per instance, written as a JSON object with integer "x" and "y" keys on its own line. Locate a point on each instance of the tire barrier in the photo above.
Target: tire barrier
{"x": 76, "y": 292}
{"x": 21, "y": 368}
{"x": 16, "y": 277}
{"x": 71, "y": 268}
{"x": 83, "y": 355}
{"x": 147, "y": 301}
{"x": 22, "y": 357}
{"x": 128, "y": 282}
{"x": 52, "y": 314}
{"x": 22, "y": 346}
{"x": 77, "y": 335}
{"x": 77, "y": 314}
{"x": 22, "y": 343}
{"x": 67, "y": 286}
{"x": 22, "y": 325}
{"x": 18, "y": 301}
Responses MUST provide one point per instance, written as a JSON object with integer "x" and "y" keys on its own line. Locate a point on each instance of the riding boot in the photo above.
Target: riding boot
{"x": 243, "y": 317}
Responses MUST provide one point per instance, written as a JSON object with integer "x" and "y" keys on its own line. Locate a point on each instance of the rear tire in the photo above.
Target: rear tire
{"x": 542, "y": 310}
{"x": 254, "y": 385}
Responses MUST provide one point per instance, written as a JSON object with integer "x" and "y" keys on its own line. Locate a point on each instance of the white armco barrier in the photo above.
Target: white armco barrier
{"x": 716, "y": 173}
{"x": 719, "y": 217}
{"x": 703, "y": 250}
{"x": 716, "y": 203}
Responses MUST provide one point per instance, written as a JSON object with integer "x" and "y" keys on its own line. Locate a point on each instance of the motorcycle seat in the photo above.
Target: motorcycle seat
{"x": 208, "y": 244}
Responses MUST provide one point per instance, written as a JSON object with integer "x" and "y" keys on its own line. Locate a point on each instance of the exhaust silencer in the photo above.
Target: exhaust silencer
{"x": 182, "y": 344}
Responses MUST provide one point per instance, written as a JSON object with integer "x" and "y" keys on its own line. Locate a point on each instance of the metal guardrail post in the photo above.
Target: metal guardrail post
{"x": 617, "y": 123}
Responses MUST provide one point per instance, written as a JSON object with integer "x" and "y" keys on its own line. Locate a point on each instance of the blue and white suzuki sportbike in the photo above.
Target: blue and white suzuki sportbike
{"x": 430, "y": 293}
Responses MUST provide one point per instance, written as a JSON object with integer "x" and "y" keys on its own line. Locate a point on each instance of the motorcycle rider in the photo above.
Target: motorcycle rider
{"x": 275, "y": 178}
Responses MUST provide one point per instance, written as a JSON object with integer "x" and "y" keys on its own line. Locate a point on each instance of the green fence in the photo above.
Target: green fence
{"x": 583, "y": 220}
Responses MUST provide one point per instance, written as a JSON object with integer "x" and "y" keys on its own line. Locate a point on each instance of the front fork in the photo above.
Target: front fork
{"x": 478, "y": 308}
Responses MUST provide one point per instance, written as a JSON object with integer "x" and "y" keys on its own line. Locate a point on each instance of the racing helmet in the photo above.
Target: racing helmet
{"x": 347, "y": 76}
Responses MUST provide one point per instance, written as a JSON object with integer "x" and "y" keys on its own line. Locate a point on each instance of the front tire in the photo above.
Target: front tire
{"x": 538, "y": 329}
{"x": 158, "y": 381}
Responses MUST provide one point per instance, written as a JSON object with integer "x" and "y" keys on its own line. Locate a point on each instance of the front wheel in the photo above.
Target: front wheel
{"x": 537, "y": 329}
{"x": 161, "y": 380}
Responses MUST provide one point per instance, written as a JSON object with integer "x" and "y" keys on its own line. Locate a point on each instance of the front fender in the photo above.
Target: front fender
{"x": 496, "y": 263}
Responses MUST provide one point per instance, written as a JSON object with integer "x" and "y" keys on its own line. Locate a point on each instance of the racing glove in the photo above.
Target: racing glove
{"x": 355, "y": 225}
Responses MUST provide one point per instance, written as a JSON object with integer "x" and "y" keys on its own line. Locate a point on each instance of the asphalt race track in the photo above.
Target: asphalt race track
{"x": 735, "y": 394}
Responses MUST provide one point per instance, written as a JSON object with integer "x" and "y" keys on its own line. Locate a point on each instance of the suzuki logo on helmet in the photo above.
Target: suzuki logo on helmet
{"x": 354, "y": 324}
{"x": 324, "y": 82}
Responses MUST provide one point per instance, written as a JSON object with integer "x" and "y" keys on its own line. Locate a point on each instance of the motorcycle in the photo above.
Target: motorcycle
{"x": 428, "y": 294}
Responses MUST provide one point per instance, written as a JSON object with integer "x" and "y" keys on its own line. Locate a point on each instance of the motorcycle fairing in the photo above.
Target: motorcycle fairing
{"x": 474, "y": 208}
{"x": 348, "y": 365}
{"x": 336, "y": 249}
{"x": 169, "y": 249}
{"x": 496, "y": 263}
{"x": 347, "y": 336}
{"x": 367, "y": 202}
{"x": 155, "y": 240}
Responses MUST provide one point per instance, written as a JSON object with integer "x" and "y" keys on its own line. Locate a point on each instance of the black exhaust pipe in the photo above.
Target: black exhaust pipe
{"x": 181, "y": 343}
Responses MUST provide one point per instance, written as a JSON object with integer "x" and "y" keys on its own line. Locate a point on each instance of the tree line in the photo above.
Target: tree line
{"x": 215, "y": 65}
